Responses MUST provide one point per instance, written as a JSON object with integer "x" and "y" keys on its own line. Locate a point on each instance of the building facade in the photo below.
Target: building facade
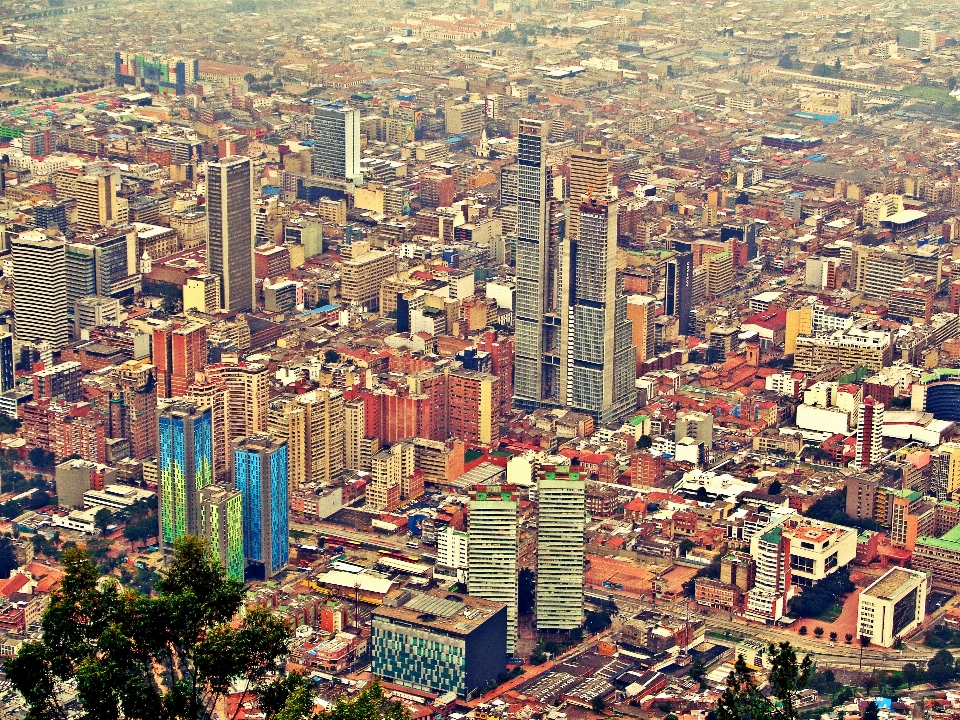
{"x": 260, "y": 474}
{"x": 230, "y": 230}
{"x": 560, "y": 526}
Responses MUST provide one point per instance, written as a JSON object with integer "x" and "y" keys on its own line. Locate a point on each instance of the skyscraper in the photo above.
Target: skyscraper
{"x": 260, "y": 470}
{"x": 313, "y": 425}
{"x": 230, "y": 230}
{"x": 537, "y": 357}
{"x": 6, "y": 362}
{"x": 678, "y": 289}
{"x": 492, "y": 550}
{"x": 221, "y": 525}
{"x": 589, "y": 177}
{"x": 560, "y": 524}
{"x": 598, "y": 361}
{"x": 40, "y": 289}
{"x": 641, "y": 311}
{"x": 214, "y": 395}
{"x": 133, "y": 406}
{"x": 185, "y": 467}
{"x": 869, "y": 433}
{"x": 336, "y": 137}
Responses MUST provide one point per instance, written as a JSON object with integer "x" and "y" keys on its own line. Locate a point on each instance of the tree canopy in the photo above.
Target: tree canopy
{"x": 167, "y": 657}
{"x": 742, "y": 697}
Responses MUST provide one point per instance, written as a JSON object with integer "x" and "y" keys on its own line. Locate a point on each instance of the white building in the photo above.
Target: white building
{"x": 869, "y": 434}
{"x": 892, "y": 606}
{"x": 492, "y": 551}
{"x": 40, "y": 289}
{"x": 452, "y": 554}
{"x": 561, "y": 500}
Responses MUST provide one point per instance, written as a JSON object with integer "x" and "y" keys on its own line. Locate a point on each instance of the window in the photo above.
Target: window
{"x": 801, "y": 564}
{"x": 830, "y": 562}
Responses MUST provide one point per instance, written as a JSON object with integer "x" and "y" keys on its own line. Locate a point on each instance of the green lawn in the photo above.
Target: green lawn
{"x": 927, "y": 92}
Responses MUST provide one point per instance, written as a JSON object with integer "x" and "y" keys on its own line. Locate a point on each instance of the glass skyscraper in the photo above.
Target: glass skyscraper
{"x": 260, "y": 469}
{"x": 598, "y": 357}
{"x": 185, "y": 467}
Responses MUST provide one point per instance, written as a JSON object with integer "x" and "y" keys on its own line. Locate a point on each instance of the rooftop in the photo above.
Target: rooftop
{"x": 450, "y": 613}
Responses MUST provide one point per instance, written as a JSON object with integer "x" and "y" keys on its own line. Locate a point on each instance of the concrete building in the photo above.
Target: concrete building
{"x": 75, "y": 477}
{"x": 97, "y": 204}
{"x": 40, "y": 289}
{"x": 248, "y": 385}
{"x": 892, "y": 606}
{"x": 492, "y": 553}
{"x": 945, "y": 474}
{"x": 202, "y": 292}
{"x": 390, "y": 470}
{"x": 362, "y": 276}
{"x": 313, "y": 425}
{"x": 869, "y": 448}
{"x": 560, "y": 525}
{"x": 872, "y": 349}
{"x": 641, "y": 312}
{"x": 442, "y": 643}
{"x": 452, "y": 554}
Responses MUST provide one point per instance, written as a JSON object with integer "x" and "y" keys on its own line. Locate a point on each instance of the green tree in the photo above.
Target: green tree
{"x": 169, "y": 657}
{"x": 818, "y": 631}
{"x": 142, "y": 529}
{"x": 870, "y": 712}
{"x": 940, "y": 667}
{"x": 8, "y": 557}
{"x": 776, "y": 487}
{"x": 369, "y": 704}
{"x": 598, "y": 705}
{"x": 597, "y": 621}
{"x": 697, "y": 670}
{"x": 686, "y": 545}
{"x": 102, "y": 518}
{"x": 331, "y": 356}
{"x": 742, "y": 698}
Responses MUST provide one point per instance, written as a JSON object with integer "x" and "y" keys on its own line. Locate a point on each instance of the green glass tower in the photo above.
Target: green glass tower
{"x": 221, "y": 525}
{"x": 185, "y": 467}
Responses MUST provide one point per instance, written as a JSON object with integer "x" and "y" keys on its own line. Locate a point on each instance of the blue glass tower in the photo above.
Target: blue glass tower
{"x": 260, "y": 471}
{"x": 185, "y": 467}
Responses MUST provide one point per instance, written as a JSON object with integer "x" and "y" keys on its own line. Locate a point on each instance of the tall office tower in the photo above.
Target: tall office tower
{"x": 561, "y": 502}
{"x": 248, "y": 385}
{"x": 260, "y": 471}
{"x": 642, "y": 311}
{"x": 50, "y": 214}
{"x": 678, "y": 290}
{"x": 598, "y": 361}
{"x": 214, "y": 395}
{"x": 742, "y": 240}
{"x": 945, "y": 478}
{"x": 537, "y": 360}
{"x": 102, "y": 265}
{"x": 221, "y": 525}
{"x": 589, "y": 178}
{"x": 313, "y": 426}
{"x": 6, "y": 362}
{"x": 184, "y": 466}
{"x": 230, "y": 230}
{"x": 492, "y": 550}
{"x": 869, "y": 449}
{"x": 336, "y": 142}
{"x": 40, "y": 289}
{"x": 97, "y": 200}
{"x": 133, "y": 406}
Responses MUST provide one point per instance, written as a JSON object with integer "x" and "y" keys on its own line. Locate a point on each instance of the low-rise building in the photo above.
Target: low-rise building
{"x": 892, "y": 606}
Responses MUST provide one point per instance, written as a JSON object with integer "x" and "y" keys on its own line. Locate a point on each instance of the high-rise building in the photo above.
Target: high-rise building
{"x": 537, "y": 320}
{"x": 221, "y": 525}
{"x": 314, "y": 427}
{"x": 589, "y": 178}
{"x": 179, "y": 353}
{"x": 945, "y": 478}
{"x": 184, "y": 466}
{"x": 97, "y": 204}
{"x": 869, "y": 449}
{"x": 641, "y": 311}
{"x": 6, "y": 362}
{"x": 214, "y": 395}
{"x": 133, "y": 406}
{"x": 230, "y": 234}
{"x": 598, "y": 361}
{"x": 164, "y": 75}
{"x": 492, "y": 550}
{"x": 40, "y": 289}
{"x": 560, "y": 524}
{"x": 678, "y": 290}
{"x": 247, "y": 384}
{"x": 336, "y": 142}
{"x": 473, "y": 406}
{"x": 773, "y": 587}
{"x": 260, "y": 471}
{"x": 390, "y": 472}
